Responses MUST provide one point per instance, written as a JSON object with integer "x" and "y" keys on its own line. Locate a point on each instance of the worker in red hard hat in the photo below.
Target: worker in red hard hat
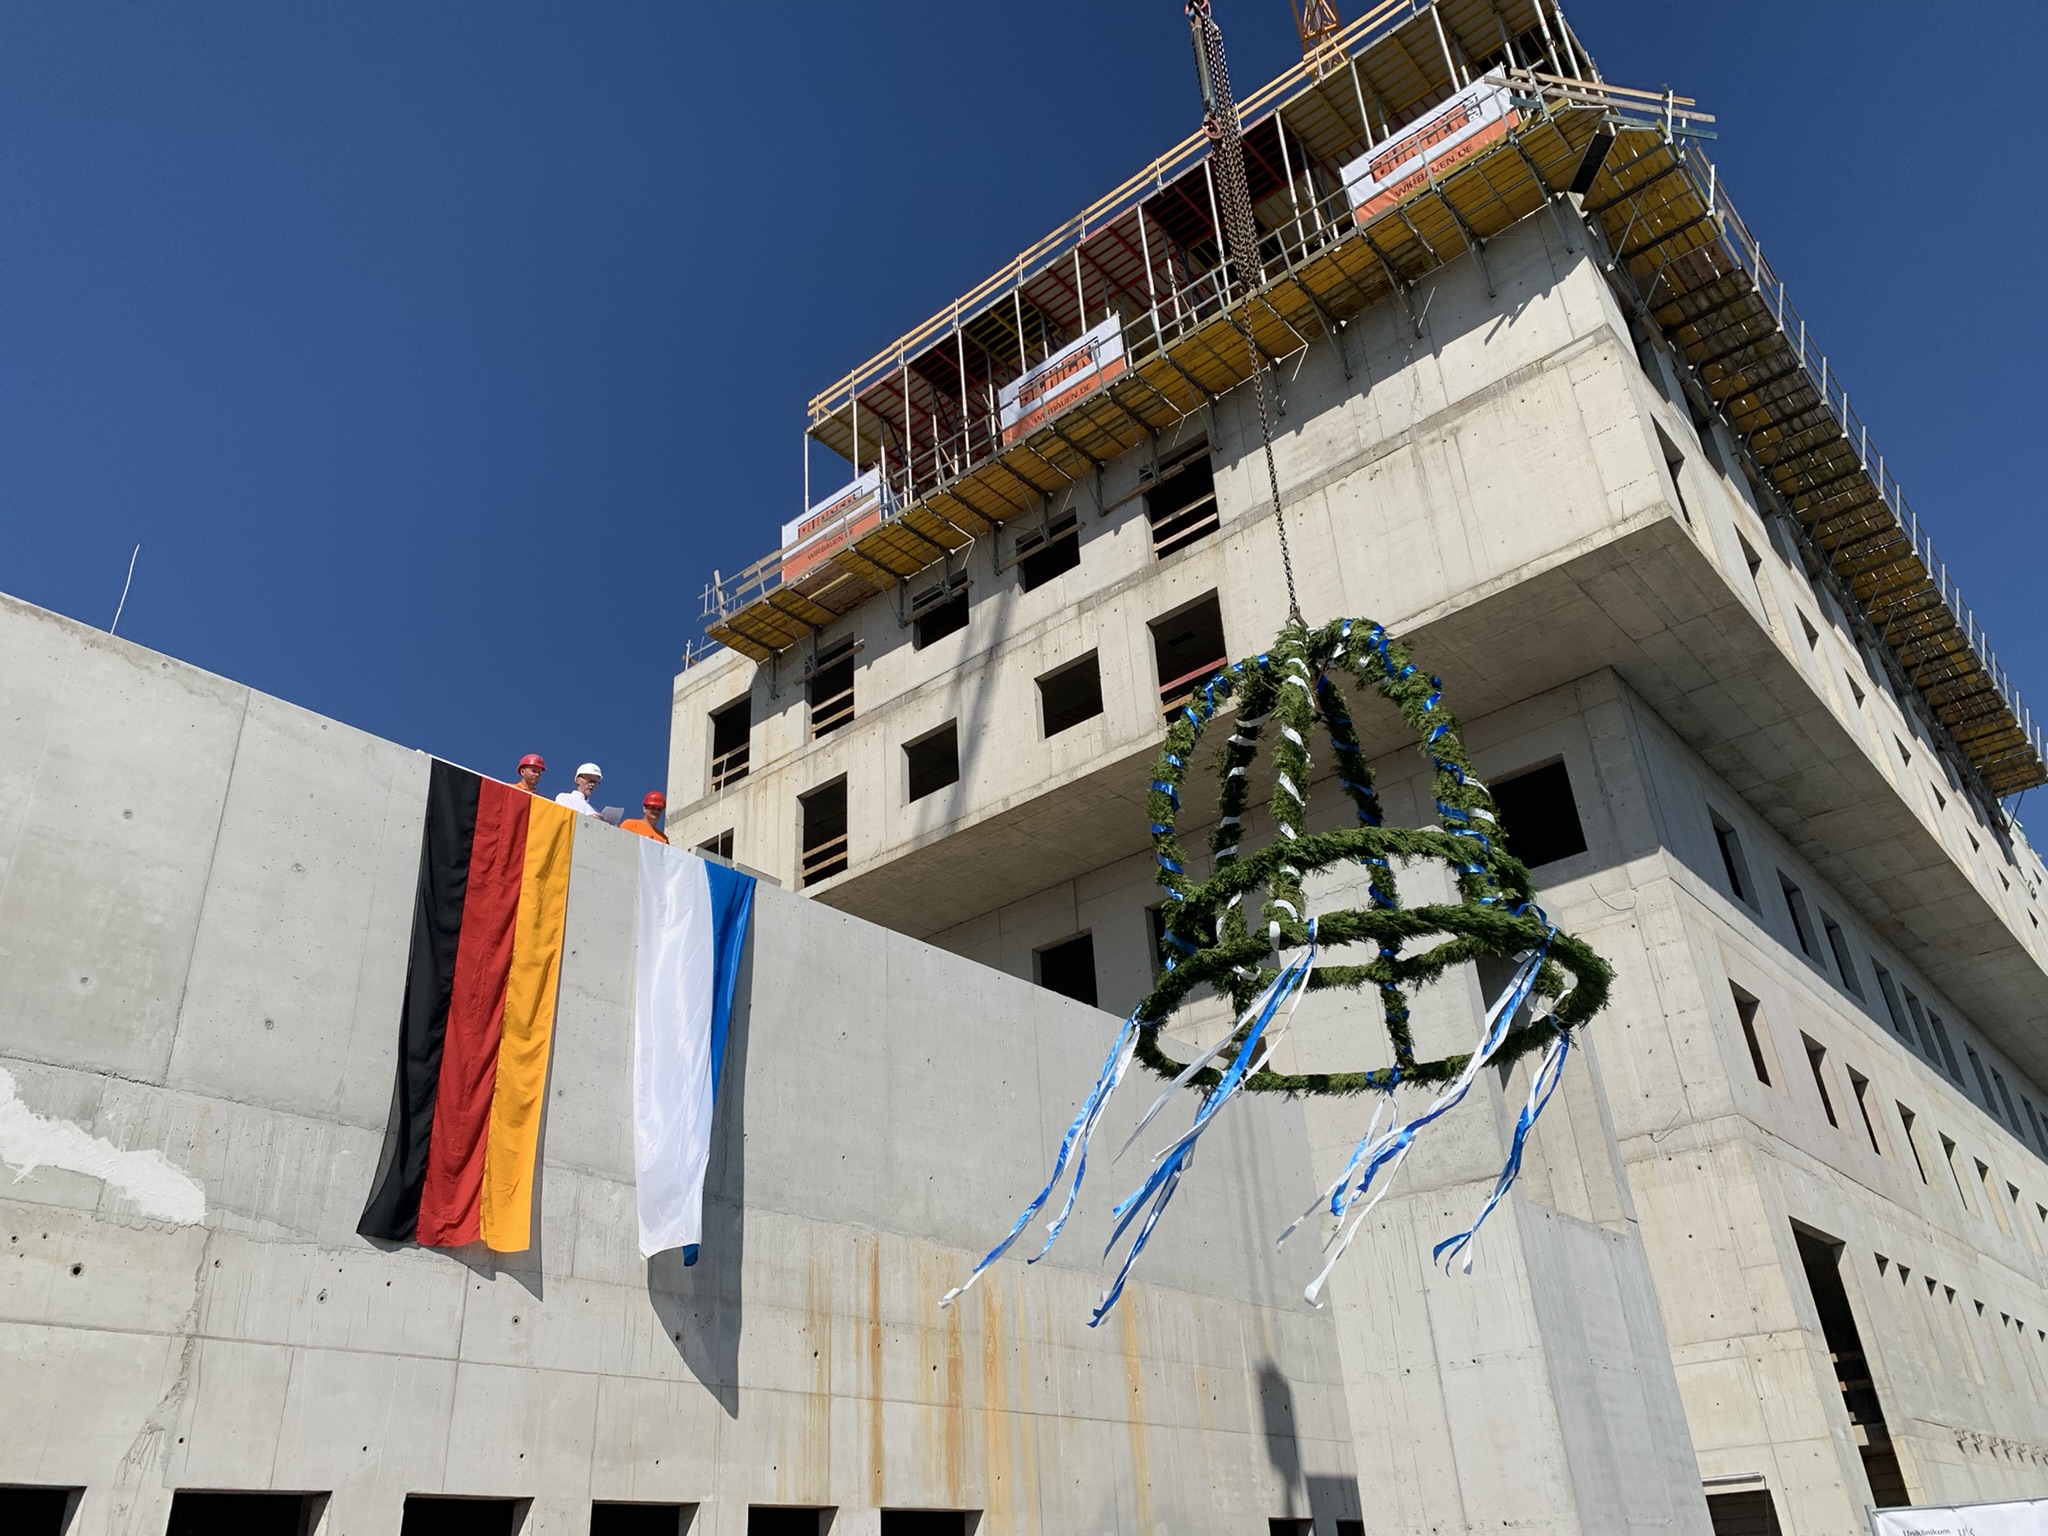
{"x": 648, "y": 823}
{"x": 531, "y": 767}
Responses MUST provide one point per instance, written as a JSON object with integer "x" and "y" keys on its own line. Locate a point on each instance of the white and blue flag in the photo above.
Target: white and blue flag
{"x": 693, "y": 928}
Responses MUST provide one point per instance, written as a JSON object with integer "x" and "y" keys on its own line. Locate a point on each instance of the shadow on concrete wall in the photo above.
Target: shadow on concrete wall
{"x": 1276, "y": 1420}
{"x": 701, "y": 1305}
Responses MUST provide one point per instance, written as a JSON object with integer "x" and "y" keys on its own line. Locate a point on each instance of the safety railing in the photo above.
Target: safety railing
{"x": 1747, "y": 251}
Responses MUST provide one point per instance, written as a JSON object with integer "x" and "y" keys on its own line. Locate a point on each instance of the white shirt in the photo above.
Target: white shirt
{"x": 576, "y": 801}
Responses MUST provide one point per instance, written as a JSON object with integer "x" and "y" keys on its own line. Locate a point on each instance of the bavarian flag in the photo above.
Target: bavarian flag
{"x": 478, "y": 1018}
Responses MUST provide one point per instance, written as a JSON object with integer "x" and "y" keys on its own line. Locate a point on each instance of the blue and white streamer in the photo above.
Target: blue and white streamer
{"x": 1541, "y": 1086}
{"x": 1385, "y": 1151}
{"x": 1073, "y": 1145}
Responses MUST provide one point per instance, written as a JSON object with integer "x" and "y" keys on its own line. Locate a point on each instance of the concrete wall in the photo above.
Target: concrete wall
{"x": 206, "y": 898}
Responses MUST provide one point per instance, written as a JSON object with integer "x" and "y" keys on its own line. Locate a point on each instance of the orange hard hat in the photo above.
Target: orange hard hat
{"x": 655, "y": 801}
{"x": 534, "y": 760}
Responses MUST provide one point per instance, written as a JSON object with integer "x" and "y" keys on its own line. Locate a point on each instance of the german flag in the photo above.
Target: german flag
{"x": 478, "y": 1018}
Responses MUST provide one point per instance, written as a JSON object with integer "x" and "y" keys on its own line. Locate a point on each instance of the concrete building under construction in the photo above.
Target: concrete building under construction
{"x": 1779, "y": 1252}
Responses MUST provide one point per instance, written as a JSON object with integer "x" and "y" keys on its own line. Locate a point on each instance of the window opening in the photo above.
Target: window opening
{"x": 1812, "y": 635}
{"x": 939, "y": 619}
{"x": 1906, "y": 1118}
{"x": 929, "y": 1522}
{"x": 1746, "y": 1011}
{"x": 640, "y": 1519}
{"x": 824, "y": 820}
{"x": 1281, "y": 1526}
{"x": 1991, "y": 1200}
{"x": 1755, "y": 563}
{"x": 731, "y": 737}
{"x": 1068, "y": 968}
{"x": 1802, "y": 924}
{"x": 2005, "y": 1097}
{"x": 1855, "y": 691}
{"x": 2034, "y": 1124}
{"x": 831, "y": 690}
{"x": 27, "y": 1511}
{"x": 1182, "y": 507}
{"x": 1539, "y": 818}
{"x": 1732, "y": 862}
{"x": 1845, "y": 962}
{"x": 1189, "y": 649}
{"x": 933, "y": 760}
{"x": 1042, "y": 556}
{"x": 1948, "y": 1151}
{"x": 433, "y": 1515}
{"x": 1674, "y": 466}
{"x": 1948, "y": 1051}
{"x": 1860, "y": 1086}
{"x": 787, "y": 1520}
{"x": 1822, "y": 1261}
{"x": 1817, "y": 1059}
{"x": 1071, "y": 694}
{"x": 1748, "y": 1513}
{"x": 1983, "y": 1082}
{"x": 1890, "y": 992}
{"x": 719, "y": 847}
{"x": 1927, "y": 1046}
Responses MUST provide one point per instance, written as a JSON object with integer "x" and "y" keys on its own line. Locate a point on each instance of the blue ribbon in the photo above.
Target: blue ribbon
{"x": 1548, "y": 1075}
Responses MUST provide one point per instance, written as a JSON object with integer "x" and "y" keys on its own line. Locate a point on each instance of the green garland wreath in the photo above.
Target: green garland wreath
{"x": 1290, "y": 688}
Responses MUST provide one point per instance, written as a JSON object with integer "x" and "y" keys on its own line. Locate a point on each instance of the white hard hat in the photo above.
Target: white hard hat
{"x": 591, "y": 769}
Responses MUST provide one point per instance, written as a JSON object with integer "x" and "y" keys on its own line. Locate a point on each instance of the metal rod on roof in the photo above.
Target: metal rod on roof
{"x": 1287, "y": 167}
{"x": 966, "y": 416}
{"x": 856, "y": 434}
{"x": 807, "y": 480}
{"x": 1080, "y": 293}
{"x": 1151, "y": 290}
{"x": 1358, "y": 89}
{"x": 1017, "y": 303}
{"x": 1216, "y": 223}
{"x": 1549, "y": 42}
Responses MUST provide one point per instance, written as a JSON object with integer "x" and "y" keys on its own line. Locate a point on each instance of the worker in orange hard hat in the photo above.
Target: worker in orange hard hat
{"x": 648, "y": 822}
{"x": 531, "y": 767}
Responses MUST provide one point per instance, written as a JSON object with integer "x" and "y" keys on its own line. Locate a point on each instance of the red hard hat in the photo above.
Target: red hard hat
{"x": 534, "y": 760}
{"x": 656, "y": 800}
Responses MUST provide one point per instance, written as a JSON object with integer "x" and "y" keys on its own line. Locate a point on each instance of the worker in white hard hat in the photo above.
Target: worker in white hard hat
{"x": 578, "y": 799}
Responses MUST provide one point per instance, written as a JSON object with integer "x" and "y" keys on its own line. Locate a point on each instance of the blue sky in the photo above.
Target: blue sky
{"x": 435, "y": 354}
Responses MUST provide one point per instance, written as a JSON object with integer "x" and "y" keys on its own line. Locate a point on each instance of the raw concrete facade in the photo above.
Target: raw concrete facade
{"x": 207, "y": 900}
{"x": 1777, "y": 844}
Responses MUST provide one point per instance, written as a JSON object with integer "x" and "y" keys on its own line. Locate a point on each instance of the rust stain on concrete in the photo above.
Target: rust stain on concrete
{"x": 874, "y": 1321}
{"x": 953, "y": 1409}
{"x": 816, "y": 1460}
{"x": 997, "y": 1489}
{"x": 1134, "y": 1405}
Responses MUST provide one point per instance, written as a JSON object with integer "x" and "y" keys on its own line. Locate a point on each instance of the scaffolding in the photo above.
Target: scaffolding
{"x": 935, "y": 418}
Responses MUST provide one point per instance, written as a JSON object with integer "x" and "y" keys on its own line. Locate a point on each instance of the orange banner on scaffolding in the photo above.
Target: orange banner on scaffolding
{"x": 1075, "y": 371}
{"x": 834, "y": 523}
{"x": 1477, "y": 116}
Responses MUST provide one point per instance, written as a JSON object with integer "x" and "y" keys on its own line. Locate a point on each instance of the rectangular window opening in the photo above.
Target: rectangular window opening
{"x": 1043, "y": 555}
{"x": 1926, "y": 1035}
{"x": 2012, "y": 1117}
{"x": 1068, "y": 968}
{"x": 1181, "y": 507}
{"x": 1280, "y": 1525}
{"x": 211, "y": 1513}
{"x": 719, "y": 847}
{"x": 731, "y": 736}
{"x": 1802, "y": 924}
{"x": 1732, "y": 861}
{"x": 1817, "y": 1059}
{"x": 1674, "y": 466}
{"x": 1071, "y": 694}
{"x": 1860, "y": 1086}
{"x": 824, "y": 832}
{"x": 1948, "y": 1151}
{"x": 1821, "y": 1258}
{"x": 1747, "y": 1513}
{"x": 1746, "y": 1011}
{"x": 434, "y": 1515}
{"x": 30, "y": 1511}
{"x": 1845, "y": 962}
{"x": 930, "y": 1522}
{"x": 1889, "y": 991}
{"x": 831, "y": 690}
{"x": 1983, "y": 1082}
{"x": 1906, "y": 1119}
{"x": 619, "y": 1519}
{"x": 1189, "y": 648}
{"x": 1948, "y": 1051}
{"x": 933, "y": 760}
{"x": 1539, "y": 818}
{"x": 787, "y": 1520}
{"x": 937, "y": 617}
{"x": 2034, "y": 1124}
